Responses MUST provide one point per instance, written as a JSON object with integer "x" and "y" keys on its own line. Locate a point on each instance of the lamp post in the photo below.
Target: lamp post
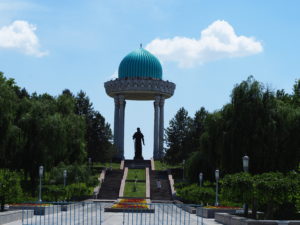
{"x": 65, "y": 177}
{"x": 90, "y": 162}
{"x": 183, "y": 162}
{"x": 246, "y": 163}
{"x": 200, "y": 179}
{"x": 217, "y": 175}
{"x": 41, "y": 171}
{"x": 246, "y": 169}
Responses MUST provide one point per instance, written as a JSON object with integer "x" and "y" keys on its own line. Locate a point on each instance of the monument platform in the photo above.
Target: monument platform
{"x": 137, "y": 164}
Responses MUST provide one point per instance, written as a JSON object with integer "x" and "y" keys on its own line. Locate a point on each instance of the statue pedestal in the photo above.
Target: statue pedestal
{"x": 138, "y": 158}
{"x": 137, "y": 164}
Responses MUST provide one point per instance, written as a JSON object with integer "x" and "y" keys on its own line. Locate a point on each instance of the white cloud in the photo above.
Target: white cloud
{"x": 21, "y": 35}
{"x": 217, "y": 41}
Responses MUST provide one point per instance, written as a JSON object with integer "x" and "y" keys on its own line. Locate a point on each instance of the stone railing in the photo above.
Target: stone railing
{"x": 123, "y": 182}
{"x": 147, "y": 183}
{"x": 100, "y": 179}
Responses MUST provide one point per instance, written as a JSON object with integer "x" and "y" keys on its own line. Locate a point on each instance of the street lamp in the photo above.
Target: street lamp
{"x": 200, "y": 179}
{"x": 246, "y": 163}
{"x": 90, "y": 162}
{"x": 246, "y": 169}
{"x": 217, "y": 175}
{"x": 183, "y": 162}
{"x": 65, "y": 177}
{"x": 41, "y": 171}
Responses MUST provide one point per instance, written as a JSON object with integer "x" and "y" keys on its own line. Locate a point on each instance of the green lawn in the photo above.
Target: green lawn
{"x": 140, "y": 173}
{"x": 163, "y": 166}
{"x": 140, "y": 190}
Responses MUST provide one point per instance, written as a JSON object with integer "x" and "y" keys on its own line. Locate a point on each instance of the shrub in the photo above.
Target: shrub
{"x": 194, "y": 194}
{"x": 77, "y": 190}
{"x": 237, "y": 187}
{"x": 274, "y": 193}
{"x": 53, "y": 193}
{"x": 273, "y": 190}
{"x": 10, "y": 188}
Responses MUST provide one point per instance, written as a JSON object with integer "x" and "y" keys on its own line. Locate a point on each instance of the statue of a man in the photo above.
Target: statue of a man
{"x": 139, "y": 138}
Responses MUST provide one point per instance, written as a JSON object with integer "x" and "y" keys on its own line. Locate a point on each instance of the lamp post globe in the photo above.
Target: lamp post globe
{"x": 246, "y": 163}
{"x": 41, "y": 171}
{"x": 217, "y": 175}
{"x": 200, "y": 178}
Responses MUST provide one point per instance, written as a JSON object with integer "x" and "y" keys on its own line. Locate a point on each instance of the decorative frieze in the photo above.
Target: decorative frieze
{"x": 152, "y": 87}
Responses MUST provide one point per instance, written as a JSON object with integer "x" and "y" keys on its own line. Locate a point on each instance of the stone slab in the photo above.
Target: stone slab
{"x": 228, "y": 219}
{"x": 210, "y": 212}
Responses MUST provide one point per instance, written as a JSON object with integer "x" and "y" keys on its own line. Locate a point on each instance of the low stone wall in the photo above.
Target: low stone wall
{"x": 11, "y": 216}
{"x": 43, "y": 210}
{"x": 189, "y": 209}
{"x": 171, "y": 180}
{"x": 210, "y": 212}
{"x": 229, "y": 219}
{"x": 152, "y": 164}
{"x": 100, "y": 179}
{"x": 122, "y": 186}
{"x": 147, "y": 183}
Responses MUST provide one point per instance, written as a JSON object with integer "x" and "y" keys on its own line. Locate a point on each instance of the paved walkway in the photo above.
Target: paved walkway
{"x": 93, "y": 214}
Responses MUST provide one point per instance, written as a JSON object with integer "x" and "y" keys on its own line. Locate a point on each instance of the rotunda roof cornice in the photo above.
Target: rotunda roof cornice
{"x": 139, "y": 89}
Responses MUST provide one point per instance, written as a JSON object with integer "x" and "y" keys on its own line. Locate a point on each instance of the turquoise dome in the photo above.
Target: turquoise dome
{"x": 140, "y": 64}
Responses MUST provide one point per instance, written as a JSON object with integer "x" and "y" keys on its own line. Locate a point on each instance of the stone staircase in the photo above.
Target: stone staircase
{"x": 163, "y": 193}
{"x": 111, "y": 186}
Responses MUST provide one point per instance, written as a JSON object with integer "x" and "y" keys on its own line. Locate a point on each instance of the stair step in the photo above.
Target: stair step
{"x": 111, "y": 186}
{"x": 164, "y": 193}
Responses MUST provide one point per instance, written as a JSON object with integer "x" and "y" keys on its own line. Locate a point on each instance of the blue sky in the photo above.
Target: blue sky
{"x": 48, "y": 46}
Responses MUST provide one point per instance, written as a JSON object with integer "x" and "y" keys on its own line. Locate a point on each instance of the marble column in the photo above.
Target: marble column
{"x": 116, "y": 122}
{"x": 161, "y": 127}
{"x": 121, "y": 125}
{"x": 156, "y": 128}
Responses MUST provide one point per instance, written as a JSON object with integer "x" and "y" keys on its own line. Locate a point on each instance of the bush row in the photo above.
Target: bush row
{"x": 276, "y": 194}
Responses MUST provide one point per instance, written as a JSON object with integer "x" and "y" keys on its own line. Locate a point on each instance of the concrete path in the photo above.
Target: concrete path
{"x": 93, "y": 214}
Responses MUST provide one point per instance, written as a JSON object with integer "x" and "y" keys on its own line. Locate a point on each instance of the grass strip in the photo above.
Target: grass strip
{"x": 140, "y": 190}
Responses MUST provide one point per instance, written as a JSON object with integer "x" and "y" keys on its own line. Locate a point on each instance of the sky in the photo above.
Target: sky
{"x": 206, "y": 47}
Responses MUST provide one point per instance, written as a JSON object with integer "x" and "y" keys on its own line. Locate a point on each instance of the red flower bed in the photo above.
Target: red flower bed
{"x": 131, "y": 204}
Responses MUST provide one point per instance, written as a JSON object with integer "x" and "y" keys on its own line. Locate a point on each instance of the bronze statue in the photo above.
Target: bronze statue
{"x": 139, "y": 138}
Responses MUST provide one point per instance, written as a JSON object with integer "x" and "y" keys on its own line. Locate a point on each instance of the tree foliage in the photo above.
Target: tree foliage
{"x": 274, "y": 193}
{"x": 46, "y": 130}
{"x": 258, "y": 122}
{"x": 176, "y": 135}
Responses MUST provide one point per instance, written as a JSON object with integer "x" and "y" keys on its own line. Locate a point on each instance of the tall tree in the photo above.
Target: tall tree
{"x": 98, "y": 132}
{"x": 176, "y": 137}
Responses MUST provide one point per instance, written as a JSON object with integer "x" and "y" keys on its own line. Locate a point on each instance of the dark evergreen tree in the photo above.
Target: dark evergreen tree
{"x": 176, "y": 137}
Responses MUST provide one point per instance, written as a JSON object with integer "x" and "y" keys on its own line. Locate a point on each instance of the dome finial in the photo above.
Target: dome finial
{"x": 141, "y": 45}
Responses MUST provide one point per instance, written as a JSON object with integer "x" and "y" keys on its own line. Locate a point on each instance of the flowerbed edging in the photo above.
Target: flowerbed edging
{"x": 210, "y": 212}
{"x": 228, "y": 219}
